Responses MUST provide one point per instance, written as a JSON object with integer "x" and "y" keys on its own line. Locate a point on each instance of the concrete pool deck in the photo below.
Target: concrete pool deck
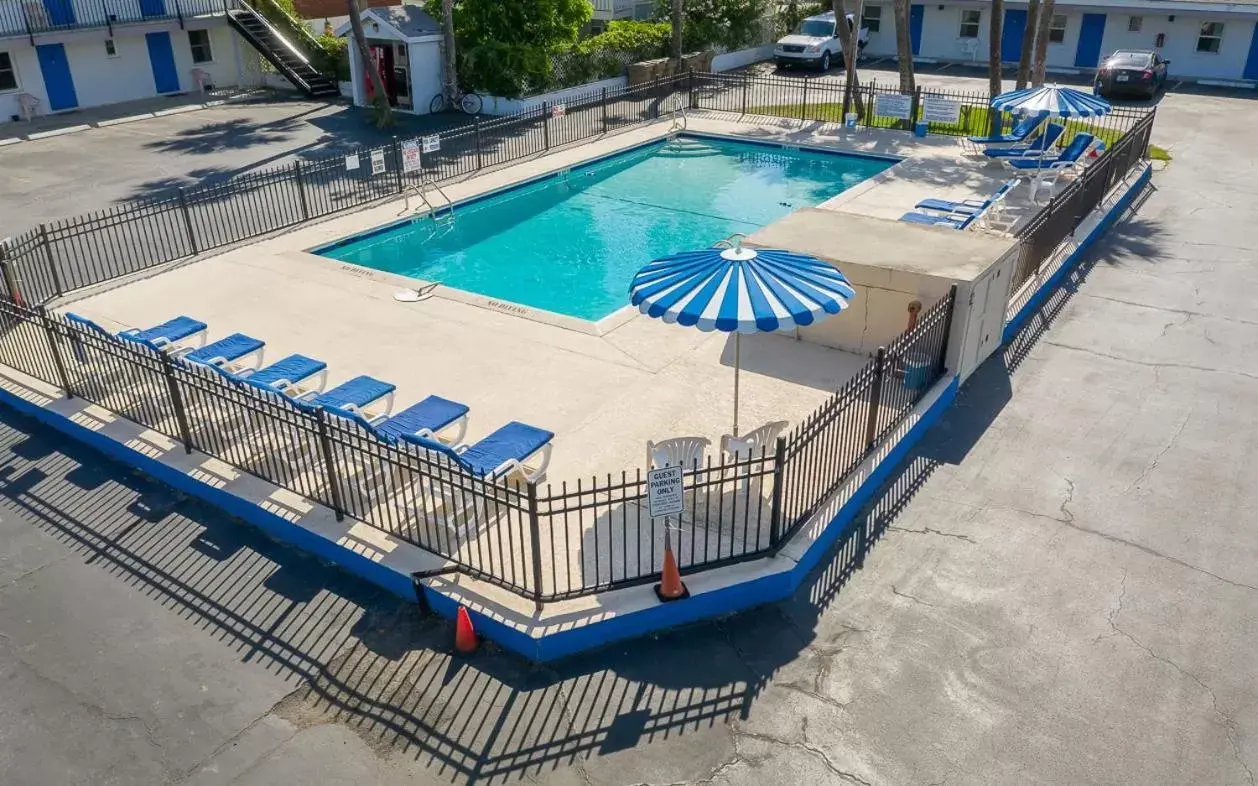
{"x": 603, "y": 395}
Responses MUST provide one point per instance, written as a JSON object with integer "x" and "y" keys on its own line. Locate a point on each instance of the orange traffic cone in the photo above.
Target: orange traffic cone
{"x": 670, "y": 586}
{"x": 464, "y": 636}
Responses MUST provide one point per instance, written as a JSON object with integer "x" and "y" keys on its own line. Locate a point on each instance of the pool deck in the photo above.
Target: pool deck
{"x": 603, "y": 395}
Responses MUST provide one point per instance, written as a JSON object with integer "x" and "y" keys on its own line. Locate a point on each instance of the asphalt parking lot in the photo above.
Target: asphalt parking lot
{"x": 1059, "y": 586}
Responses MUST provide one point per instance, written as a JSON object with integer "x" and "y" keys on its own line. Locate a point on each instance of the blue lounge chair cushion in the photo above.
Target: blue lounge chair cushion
{"x": 1072, "y": 152}
{"x": 293, "y": 369}
{"x": 359, "y": 391}
{"x": 956, "y": 222}
{"x": 171, "y": 330}
{"x": 513, "y": 441}
{"x": 1018, "y": 133}
{"x": 237, "y": 345}
{"x": 1041, "y": 143}
{"x": 949, "y": 206}
{"x": 433, "y": 413}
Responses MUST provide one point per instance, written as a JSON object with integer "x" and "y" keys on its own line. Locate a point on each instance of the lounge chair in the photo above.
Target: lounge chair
{"x": 967, "y": 207}
{"x": 289, "y": 375}
{"x": 423, "y": 419}
{"x": 951, "y": 220}
{"x": 1079, "y": 146}
{"x": 168, "y": 335}
{"x": 500, "y": 455}
{"x": 355, "y": 395}
{"x": 1043, "y": 142}
{"x": 1020, "y": 133}
{"x": 226, "y": 353}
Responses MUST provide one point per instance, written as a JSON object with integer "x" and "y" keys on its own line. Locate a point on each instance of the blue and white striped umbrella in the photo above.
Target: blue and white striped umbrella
{"x": 740, "y": 290}
{"x": 1051, "y": 102}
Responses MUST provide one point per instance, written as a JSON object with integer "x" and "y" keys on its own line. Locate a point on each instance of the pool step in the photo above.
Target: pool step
{"x": 681, "y": 149}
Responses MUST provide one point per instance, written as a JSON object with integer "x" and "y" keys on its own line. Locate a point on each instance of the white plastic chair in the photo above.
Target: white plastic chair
{"x": 684, "y": 452}
{"x": 969, "y": 48}
{"x": 749, "y": 445}
{"x": 28, "y": 105}
{"x": 200, "y": 78}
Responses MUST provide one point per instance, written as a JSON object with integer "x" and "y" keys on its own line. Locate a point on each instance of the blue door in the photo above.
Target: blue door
{"x": 153, "y": 7}
{"x": 1088, "y": 53}
{"x": 916, "y": 14}
{"x": 60, "y": 12}
{"x": 58, "y": 82}
{"x": 1011, "y": 35}
{"x": 1251, "y": 63}
{"x": 162, "y": 57}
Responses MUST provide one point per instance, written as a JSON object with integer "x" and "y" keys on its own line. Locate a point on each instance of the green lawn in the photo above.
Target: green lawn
{"x": 975, "y": 121}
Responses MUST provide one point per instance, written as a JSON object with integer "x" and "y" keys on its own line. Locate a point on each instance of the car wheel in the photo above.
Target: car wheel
{"x": 825, "y": 61}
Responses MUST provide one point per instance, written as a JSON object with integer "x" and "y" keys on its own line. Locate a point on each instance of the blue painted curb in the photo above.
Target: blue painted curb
{"x": 1071, "y": 262}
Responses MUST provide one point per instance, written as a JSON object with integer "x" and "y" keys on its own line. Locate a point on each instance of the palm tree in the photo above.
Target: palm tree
{"x": 1028, "y": 43}
{"x": 1041, "y": 42}
{"x": 904, "y": 46}
{"x": 993, "y": 58}
{"x": 451, "y": 68}
{"x": 379, "y": 99}
{"x": 851, "y": 48}
{"x": 677, "y": 24}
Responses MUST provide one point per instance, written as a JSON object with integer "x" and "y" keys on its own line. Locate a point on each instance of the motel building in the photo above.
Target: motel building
{"x": 1212, "y": 42}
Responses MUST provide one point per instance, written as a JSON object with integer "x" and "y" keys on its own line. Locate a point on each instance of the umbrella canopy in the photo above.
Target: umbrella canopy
{"x": 741, "y": 290}
{"x": 1051, "y": 102}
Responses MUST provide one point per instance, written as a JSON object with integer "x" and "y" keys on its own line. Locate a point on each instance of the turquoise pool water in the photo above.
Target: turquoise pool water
{"x": 571, "y": 243}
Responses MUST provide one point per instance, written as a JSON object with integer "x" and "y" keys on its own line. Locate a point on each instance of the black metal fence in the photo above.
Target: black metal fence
{"x": 1042, "y": 251}
{"x": 67, "y": 255}
{"x": 544, "y": 543}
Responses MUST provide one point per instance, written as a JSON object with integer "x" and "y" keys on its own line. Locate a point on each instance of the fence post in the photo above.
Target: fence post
{"x": 690, "y": 88}
{"x": 109, "y": 20}
{"x": 546, "y": 123}
{"x": 535, "y": 532}
{"x": 775, "y": 515}
{"x": 875, "y": 397}
{"x": 187, "y": 221}
{"x": 746, "y": 82}
{"x": 329, "y": 463}
{"x": 52, "y": 264}
{"x": 176, "y": 400}
{"x": 56, "y": 352}
{"x": 397, "y": 159}
{"x": 301, "y": 191}
{"x": 604, "y": 103}
{"x": 947, "y": 328}
{"x": 803, "y": 102}
{"x": 476, "y": 128}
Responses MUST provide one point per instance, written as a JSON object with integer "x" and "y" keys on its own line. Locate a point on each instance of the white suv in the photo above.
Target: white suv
{"x": 814, "y": 43}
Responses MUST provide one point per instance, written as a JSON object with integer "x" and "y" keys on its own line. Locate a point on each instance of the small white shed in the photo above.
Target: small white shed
{"x": 405, "y": 44}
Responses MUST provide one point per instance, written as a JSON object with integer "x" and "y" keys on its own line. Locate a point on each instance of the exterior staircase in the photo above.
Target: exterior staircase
{"x": 281, "y": 52}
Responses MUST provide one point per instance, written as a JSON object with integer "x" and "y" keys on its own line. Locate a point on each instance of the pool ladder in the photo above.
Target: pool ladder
{"x": 679, "y": 114}
{"x": 442, "y": 214}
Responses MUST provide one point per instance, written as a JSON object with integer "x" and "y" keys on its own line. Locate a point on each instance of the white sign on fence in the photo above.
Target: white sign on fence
{"x": 377, "y": 162}
{"x": 897, "y": 106}
{"x": 558, "y": 110}
{"x": 351, "y": 162}
{"x": 664, "y": 492}
{"x": 432, "y": 143}
{"x": 941, "y": 110}
{"x": 410, "y": 156}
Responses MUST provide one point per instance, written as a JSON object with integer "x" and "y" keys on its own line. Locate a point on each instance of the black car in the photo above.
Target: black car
{"x": 1131, "y": 72}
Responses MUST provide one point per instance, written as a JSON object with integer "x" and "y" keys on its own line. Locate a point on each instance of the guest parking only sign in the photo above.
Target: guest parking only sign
{"x": 664, "y": 492}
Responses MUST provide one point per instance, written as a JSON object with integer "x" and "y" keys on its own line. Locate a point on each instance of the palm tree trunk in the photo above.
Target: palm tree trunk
{"x": 851, "y": 48}
{"x": 1028, "y": 43}
{"x": 677, "y": 29}
{"x": 448, "y": 43}
{"x": 1041, "y": 42}
{"x": 379, "y": 98}
{"x": 994, "y": 75}
{"x": 904, "y": 46}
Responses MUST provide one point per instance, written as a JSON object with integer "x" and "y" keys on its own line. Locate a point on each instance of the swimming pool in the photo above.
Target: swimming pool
{"x": 570, "y": 242}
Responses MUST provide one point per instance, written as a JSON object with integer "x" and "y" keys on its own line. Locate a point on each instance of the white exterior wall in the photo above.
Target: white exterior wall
{"x": 941, "y": 28}
{"x": 100, "y": 79}
{"x": 882, "y": 43}
{"x": 1181, "y": 43}
{"x": 1062, "y": 55}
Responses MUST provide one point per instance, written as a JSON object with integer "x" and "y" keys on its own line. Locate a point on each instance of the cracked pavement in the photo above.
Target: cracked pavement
{"x": 1059, "y": 586}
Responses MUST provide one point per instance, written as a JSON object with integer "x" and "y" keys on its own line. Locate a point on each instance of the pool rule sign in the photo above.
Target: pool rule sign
{"x": 664, "y": 492}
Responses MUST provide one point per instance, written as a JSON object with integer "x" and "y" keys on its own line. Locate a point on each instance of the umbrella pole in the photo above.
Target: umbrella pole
{"x": 738, "y": 343}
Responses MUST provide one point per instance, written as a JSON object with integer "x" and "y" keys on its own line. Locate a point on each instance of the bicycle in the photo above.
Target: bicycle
{"x": 470, "y": 103}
